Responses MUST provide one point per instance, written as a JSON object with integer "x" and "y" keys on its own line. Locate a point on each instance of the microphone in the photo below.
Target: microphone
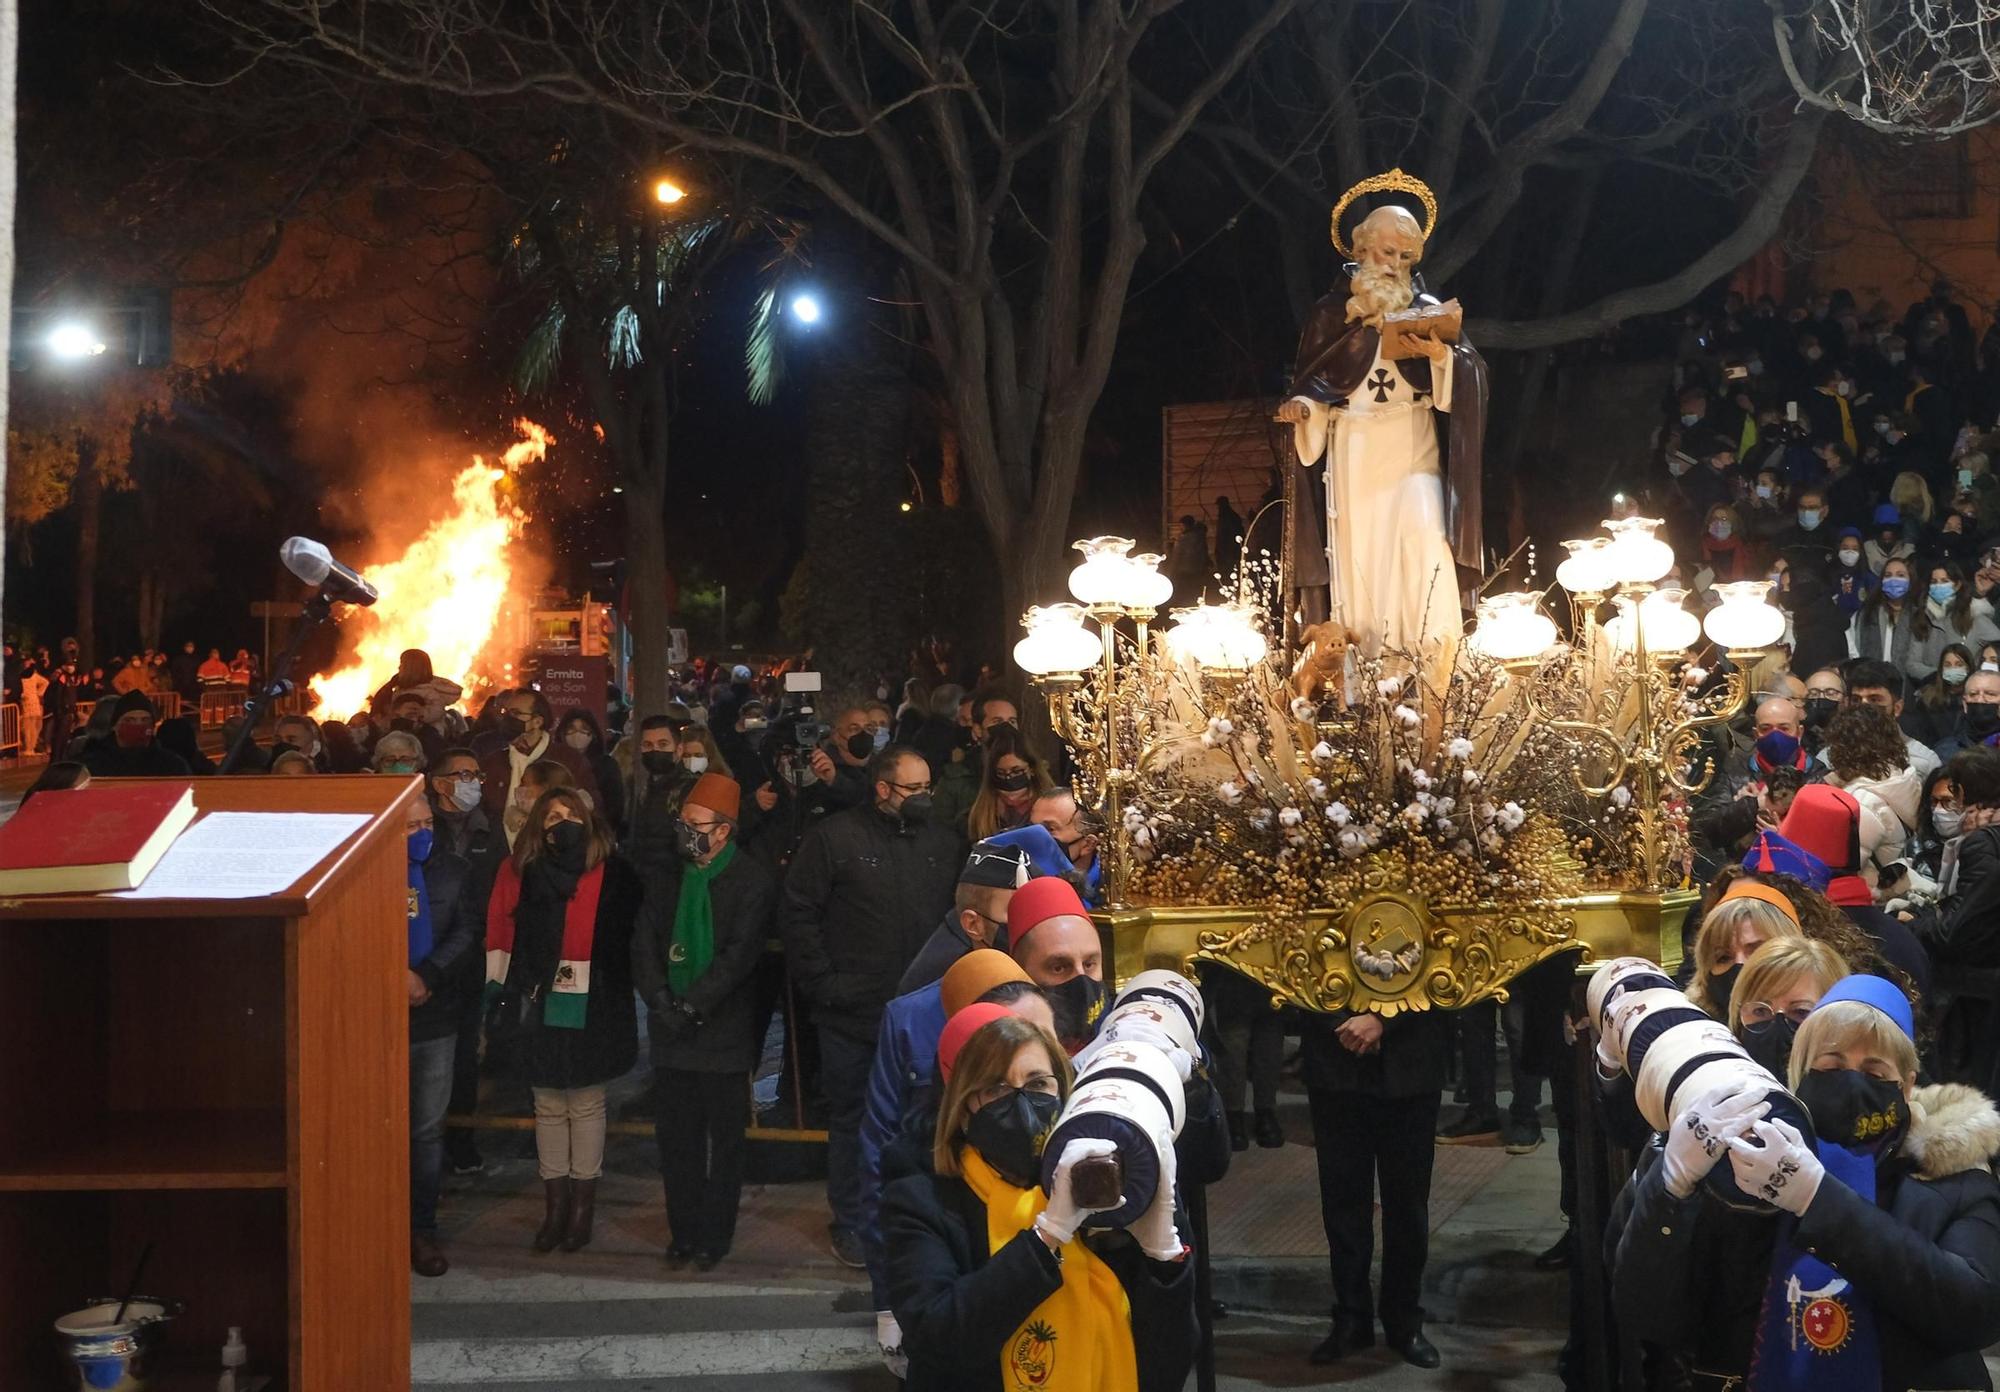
{"x": 315, "y": 565}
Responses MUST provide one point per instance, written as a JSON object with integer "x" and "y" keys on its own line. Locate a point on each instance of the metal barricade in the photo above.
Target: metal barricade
{"x": 220, "y": 703}
{"x": 10, "y": 728}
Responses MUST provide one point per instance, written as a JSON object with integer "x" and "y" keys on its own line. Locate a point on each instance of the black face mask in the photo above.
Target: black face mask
{"x": 566, "y": 842}
{"x": 1819, "y": 710}
{"x": 1854, "y": 1110}
{"x": 1771, "y": 1043}
{"x": 861, "y": 745}
{"x": 1010, "y": 1132}
{"x": 1981, "y": 720}
{"x": 403, "y": 723}
{"x": 1721, "y": 986}
{"x": 692, "y": 842}
{"x": 916, "y": 808}
{"x": 513, "y": 727}
{"x": 1012, "y": 782}
{"x": 1078, "y": 1005}
{"x": 659, "y": 762}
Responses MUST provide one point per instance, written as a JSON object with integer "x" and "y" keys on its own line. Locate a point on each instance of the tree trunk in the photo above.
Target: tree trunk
{"x": 89, "y": 495}
{"x": 857, "y": 414}
{"x": 646, "y": 616}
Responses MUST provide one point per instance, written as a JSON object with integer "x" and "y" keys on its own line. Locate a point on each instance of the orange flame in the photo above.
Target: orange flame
{"x": 445, "y": 593}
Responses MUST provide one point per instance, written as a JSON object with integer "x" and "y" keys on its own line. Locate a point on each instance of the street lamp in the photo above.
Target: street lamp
{"x": 73, "y": 340}
{"x": 806, "y": 308}
{"x": 668, "y": 192}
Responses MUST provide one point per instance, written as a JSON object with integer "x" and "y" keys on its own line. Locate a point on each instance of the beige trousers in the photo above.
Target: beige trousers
{"x": 569, "y": 1132}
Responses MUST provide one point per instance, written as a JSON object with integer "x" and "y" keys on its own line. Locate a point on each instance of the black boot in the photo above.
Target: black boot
{"x": 1269, "y": 1131}
{"x": 555, "y": 1214}
{"x": 1239, "y": 1131}
{"x": 1349, "y": 1336}
{"x": 580, "y": 1217}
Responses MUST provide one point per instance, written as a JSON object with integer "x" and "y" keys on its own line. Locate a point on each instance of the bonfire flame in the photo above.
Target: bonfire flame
{"x": 445, "y": 593}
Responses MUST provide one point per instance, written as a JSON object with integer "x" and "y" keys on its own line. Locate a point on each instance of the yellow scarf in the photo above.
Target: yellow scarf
{"x": 1846, "y": 418}
{"x": 1080, "y": 1338}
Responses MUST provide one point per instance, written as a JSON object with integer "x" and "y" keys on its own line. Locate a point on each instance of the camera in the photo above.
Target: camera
{"x": 798, "y": 728}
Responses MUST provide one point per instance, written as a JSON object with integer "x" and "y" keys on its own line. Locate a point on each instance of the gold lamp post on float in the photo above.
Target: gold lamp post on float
{"x": 1102, "y": 687}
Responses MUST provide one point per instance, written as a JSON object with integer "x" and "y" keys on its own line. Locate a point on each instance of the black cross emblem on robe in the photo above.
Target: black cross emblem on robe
{"x": 1380, "y": 384}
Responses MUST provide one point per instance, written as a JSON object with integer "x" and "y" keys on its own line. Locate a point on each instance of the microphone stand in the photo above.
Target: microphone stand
{"x": 314, "y": 612}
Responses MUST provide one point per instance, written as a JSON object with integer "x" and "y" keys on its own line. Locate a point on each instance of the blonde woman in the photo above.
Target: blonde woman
{"x": 1912, "y": 497}
{"x": 1881, "y": 1241}
{"x": 1749, "y": 914}
{"x": 992, "y": 1281}
{"x": 1781, "y": 983}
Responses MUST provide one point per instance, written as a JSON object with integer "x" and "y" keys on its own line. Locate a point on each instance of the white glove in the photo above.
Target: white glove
{"x": 1781, "y": 1171}
{"x": 889, "y": 1338}
{"x": 1609, "y": 1065}
{"x": 1157, "y": 1236}
{"x": 1696, "y": 1139}
{"x": 1060, "y": 1220}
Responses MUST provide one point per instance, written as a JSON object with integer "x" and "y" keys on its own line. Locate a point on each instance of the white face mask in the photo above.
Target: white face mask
{"x": 465, "y": 795}
{"x": 579, "y": 740}
{"x": 1947, "y": 821}
{"x": 1850, "y": 558}
{"x": 695, "y": 763}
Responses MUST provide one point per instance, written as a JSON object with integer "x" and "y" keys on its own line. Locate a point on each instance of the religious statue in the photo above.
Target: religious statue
{"x": 1389, "y": 403}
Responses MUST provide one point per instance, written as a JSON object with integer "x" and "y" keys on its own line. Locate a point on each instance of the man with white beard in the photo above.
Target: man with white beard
{"x": 1395, "y": 521}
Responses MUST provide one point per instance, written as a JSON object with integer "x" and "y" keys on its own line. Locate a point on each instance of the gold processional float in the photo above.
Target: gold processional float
{"x": 1396, "y": 830}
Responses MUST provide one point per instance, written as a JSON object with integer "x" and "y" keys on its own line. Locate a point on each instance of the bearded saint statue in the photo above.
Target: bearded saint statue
{"x": 1398, "y": 445}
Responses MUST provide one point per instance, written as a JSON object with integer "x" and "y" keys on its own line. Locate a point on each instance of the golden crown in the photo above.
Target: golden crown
{"x": 1395, "y": 181}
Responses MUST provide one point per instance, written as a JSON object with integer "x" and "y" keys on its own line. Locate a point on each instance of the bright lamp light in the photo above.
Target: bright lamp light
{"x": 1057, "y": 642}
{"x": 805, "y": 308}
{"x": 1513, "y": 627}
{"x": 1588, "y": 569}
{"x": 1147, "y": 587}
{"x": 1225, "y": 637}
{"x": 1104, "y": 574}
{"x": 1743, "y": 618}
{"x": 668, "y": 192}
{"x": 1658, "y": 619}
{"x": 74, "y": 340}
{"x": 1636, "y": 556}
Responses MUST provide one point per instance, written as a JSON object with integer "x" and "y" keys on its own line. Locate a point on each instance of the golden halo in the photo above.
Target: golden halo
{"x": 1395, "y": 181}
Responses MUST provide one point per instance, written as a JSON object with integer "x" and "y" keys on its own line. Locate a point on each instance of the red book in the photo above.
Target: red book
{"x": 88, "y": 840}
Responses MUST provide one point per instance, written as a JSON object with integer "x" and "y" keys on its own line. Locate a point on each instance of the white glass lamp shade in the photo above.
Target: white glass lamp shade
{"x": 1588, "y": 569}
{"x": 1149, "y": 588}
{"x": 1744, "y": 619}
{"x": 1667, "y": 628}
{"x": 1105, "y": 575}
{"x": 1636, "y": 556}
{"x": 1512, "y": 627}
{"x": 1057, "y": 642}
{"x": 1224, "y": 636}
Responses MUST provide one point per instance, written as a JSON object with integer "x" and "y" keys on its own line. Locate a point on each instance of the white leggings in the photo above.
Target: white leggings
{"x": 569, "y": 1132}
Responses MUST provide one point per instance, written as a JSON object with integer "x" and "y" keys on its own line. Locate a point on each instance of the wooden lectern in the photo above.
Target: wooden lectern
{"x": 228, "y": 1079}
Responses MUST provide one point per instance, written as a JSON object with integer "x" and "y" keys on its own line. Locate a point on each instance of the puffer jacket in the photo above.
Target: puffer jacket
{"x": 1889, "y": 810}
{"x": 1689, "y": 1274}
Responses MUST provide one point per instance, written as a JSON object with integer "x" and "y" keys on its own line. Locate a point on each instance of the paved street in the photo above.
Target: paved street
{"x": 782, "y": 1316}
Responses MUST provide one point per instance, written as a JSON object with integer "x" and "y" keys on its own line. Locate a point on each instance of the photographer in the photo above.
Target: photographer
{"x": 840, "y": 763}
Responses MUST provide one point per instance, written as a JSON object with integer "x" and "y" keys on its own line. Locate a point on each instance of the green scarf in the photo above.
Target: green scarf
{"x": 694, "y": 923}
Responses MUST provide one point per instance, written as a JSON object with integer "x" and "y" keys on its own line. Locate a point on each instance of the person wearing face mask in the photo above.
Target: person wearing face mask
{"x": 406, "y": 715}
{"x": 1882, "y": 627}
{"x": 1779, "y": 985}
{"x": 1825, "y": 691}
{"x": 527, "y": 722}
{"x": 1723, "y": 545}
{"x": 584, "y": 736}
{"x": 1748, "y": 914}
{"x": 1888, "y": 542}
{"x": 1938, "y": 707}
{"x": 959, "y": 782}
{"x": 1853, "y": 581}
{"x": 462, "y": 831}
{"x": 443, "y": 937}
{"x": 302, "y": 733}
{"x": 694, "y": 956}
{"x": 1012, "y": 777}
{"x": 398, "y": 754}
{"x": 1871, "y": 1261}
{"x": 1829, "y": 406}
{"x": 1050, "y": 934}
{"x": 861, "y": 896}
{"x": 653, "y": 791}
{"x": 1731, "y": 809}
{"x": 1808, "y": 543}
{"x": 132, "y": 752}
{"x": 994, "y": 1283}
{"x": 1980, "y": 719}
{"x": 841, "y": 764}
{"x": 1951, "y": 613}
{"x": 559, "y": 971}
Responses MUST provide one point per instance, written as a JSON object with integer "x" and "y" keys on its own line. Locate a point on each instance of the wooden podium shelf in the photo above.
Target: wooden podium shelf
{"x": 229, "y": 1080}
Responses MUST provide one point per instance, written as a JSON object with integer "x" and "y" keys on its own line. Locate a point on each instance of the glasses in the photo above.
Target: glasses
{"x": 1824, "y": 693}
{"x": 463, "y": 776}
{"x": 1763, "y": 1012}
{"x": 911, "y": 789}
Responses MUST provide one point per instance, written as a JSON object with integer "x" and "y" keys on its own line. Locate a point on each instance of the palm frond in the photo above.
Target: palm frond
{"x": 541, "y": 354}
{"x": 764, "y": 348}
{"x": 623, "y": 348}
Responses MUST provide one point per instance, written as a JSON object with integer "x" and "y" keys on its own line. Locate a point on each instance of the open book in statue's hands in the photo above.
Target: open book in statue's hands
{"x": 1403, "y": 329}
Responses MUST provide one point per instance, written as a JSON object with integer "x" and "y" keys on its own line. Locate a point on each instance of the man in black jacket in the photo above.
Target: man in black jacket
{"x": 462, "y": 830}
{"x": 1374, "y": 1088}
{"x": 132, "y": 752}
{"x": 442, "y": 932}
{"x": 697, "y": 944}
{"x": 862, "y": 894}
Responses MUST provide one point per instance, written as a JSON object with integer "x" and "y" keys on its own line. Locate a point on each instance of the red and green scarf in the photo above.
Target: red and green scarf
{"x": 569, "y": 994}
